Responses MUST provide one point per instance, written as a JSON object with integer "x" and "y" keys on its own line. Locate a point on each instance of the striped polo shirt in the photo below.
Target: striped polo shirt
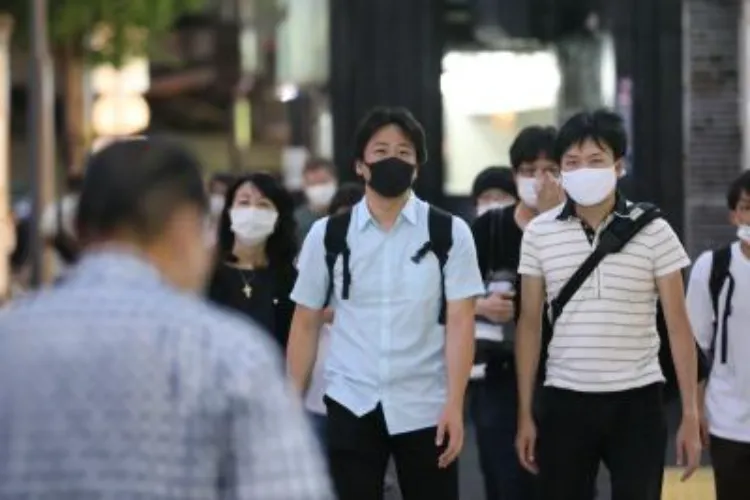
{"x": 605, "y": 339}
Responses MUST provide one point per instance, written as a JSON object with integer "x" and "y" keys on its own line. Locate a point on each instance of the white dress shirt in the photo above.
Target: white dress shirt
{"x": 386, "y": 344}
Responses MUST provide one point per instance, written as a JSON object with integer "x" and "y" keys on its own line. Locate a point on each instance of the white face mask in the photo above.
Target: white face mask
{"x": 743, "y": 233}
{"x": 589, "y": 186}
{"x": 483, "y": 208}
{"x": 528, "y": 191}
{"x": 216, "y": 204}
{"x": 320, "y": 195}
{"x": 252, "y": 225}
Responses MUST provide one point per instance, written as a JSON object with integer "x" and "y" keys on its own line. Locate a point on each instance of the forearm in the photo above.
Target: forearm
{"x": 459, "y": 354}
{"x": 301, "y": 353}
{"x": 527, "y": 347}
{"x": 686, "y": 367}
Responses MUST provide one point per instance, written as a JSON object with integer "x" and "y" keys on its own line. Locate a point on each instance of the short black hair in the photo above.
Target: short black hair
{"x": 347, "y": 195}
{"x": 494, "y": 178}
{"x": 382, "y": 116}
{"x": 317, "y": 163}
{"x": 738, "y": 186}
{"x": 222, "y": 178}
{"x": 604, "y": 127}
{"x": 531, "y": 144}
{"x": 138, "y": 184}
{"x": 281, "y": 246}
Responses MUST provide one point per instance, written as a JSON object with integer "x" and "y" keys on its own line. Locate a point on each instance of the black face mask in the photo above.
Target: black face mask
{"x": 390, "y": 177}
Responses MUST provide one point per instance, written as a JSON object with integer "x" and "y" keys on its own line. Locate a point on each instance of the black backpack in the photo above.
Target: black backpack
{"x": 612, "y": 240}
{"x": 440, "y": 227}
{"x": 720, "y": 275}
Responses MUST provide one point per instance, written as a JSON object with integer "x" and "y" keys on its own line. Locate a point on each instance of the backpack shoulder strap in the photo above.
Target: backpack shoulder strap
{"x": 335, "y": 244}
{"x": 440, "y": 227}
{"x": 613, "y": 238}
{"x": 722, "y": 259}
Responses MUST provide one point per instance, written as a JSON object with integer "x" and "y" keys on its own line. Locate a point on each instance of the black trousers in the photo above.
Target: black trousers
{"x": 731, "y": 462}
{"x": 359, "y": 449}
{"x": 626, "y": 430}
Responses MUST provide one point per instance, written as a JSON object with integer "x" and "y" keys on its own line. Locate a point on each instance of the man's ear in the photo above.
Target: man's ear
{"x": 620, "y": 168}
{"x": 359, "y": 168}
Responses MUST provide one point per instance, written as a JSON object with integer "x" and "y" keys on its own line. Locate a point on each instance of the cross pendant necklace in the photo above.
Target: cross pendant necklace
{"x": 247, "y": 290}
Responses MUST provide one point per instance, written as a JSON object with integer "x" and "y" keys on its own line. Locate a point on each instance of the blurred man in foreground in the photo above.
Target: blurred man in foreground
{"x": 121, "y": 383}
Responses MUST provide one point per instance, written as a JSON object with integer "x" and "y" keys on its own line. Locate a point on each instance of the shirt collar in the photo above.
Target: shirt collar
{"x": 364, "y": 216}
{"x": 118, "y": 265}
{"x": 569, "y": 208}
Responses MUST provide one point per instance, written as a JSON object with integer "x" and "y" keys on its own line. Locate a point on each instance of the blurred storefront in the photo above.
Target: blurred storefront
{"x": 672, "y": 68}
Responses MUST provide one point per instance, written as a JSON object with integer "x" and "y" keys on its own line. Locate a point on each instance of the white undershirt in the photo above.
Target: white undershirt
{"x": 728, "y": 391}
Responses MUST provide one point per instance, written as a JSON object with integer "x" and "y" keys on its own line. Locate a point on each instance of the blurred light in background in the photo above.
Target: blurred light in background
{"x": 120, "y": 115}
{"x": 132, "y": 78}
{"x": 120, "y": 108}
{"x": 487, "y": 98}
{"x": 488, "y": 83}
{"x": 287, "y": 92}
{"x": 302, "y": 43}
{"x": 609, "y": 71}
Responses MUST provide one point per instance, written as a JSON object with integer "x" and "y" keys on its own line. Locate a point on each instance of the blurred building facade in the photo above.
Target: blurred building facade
{"x": 672, "y": 67}
{"x": 259, "y": 84}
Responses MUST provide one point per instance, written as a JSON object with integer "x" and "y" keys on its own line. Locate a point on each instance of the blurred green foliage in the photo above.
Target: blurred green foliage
{"x": 72, "y": 22}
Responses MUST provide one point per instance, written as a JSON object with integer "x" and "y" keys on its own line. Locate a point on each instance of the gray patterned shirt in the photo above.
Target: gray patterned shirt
{"x": 116, "y": 386}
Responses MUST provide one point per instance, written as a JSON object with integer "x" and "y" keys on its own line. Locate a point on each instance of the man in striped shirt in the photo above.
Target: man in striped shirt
{"x": 602, "y": 396}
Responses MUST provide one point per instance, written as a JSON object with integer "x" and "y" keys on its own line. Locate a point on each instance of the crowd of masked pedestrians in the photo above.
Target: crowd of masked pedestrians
{"x": 223, "y": 339}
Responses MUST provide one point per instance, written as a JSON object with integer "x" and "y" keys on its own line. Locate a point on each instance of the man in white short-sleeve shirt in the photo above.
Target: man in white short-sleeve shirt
{"x": 602, "y": 399}
{"x": 395, "y": 376}
{"x": 723, "y": 332}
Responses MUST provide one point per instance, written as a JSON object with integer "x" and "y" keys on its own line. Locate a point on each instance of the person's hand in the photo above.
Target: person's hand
{"x": 328, "y": 315}
{"x": 497, "y": 307}
{"x": 450, "y": 428}
{"x": 526, "y": 444}
{"x": 550, "y": 193}
{"x": 689, "y": 445}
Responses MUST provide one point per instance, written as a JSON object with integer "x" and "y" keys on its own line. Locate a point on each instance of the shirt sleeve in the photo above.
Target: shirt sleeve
{"x": 529, "y": 263}
{"x": 273, "y": 453}
{"x": 668, "y": 253}
{"x": 462, "y": 277}
{"x": 311, "y": 286}
{"x": 700, "y": 309}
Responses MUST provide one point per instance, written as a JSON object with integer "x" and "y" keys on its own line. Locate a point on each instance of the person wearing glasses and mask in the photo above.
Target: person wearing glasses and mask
{"x": 257, "y": 246}
{"x": 497, "y": 233}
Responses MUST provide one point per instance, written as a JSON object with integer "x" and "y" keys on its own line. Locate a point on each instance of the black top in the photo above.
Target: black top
{"x": 268, "y": 303}
{"x": 498, "y": 242}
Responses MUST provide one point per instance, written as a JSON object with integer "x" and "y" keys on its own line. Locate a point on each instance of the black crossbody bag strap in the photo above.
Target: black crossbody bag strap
{"x": 614, "y": 237}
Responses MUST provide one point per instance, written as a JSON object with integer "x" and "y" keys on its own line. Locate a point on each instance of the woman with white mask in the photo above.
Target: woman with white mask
{"x": 256, "y": 250}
